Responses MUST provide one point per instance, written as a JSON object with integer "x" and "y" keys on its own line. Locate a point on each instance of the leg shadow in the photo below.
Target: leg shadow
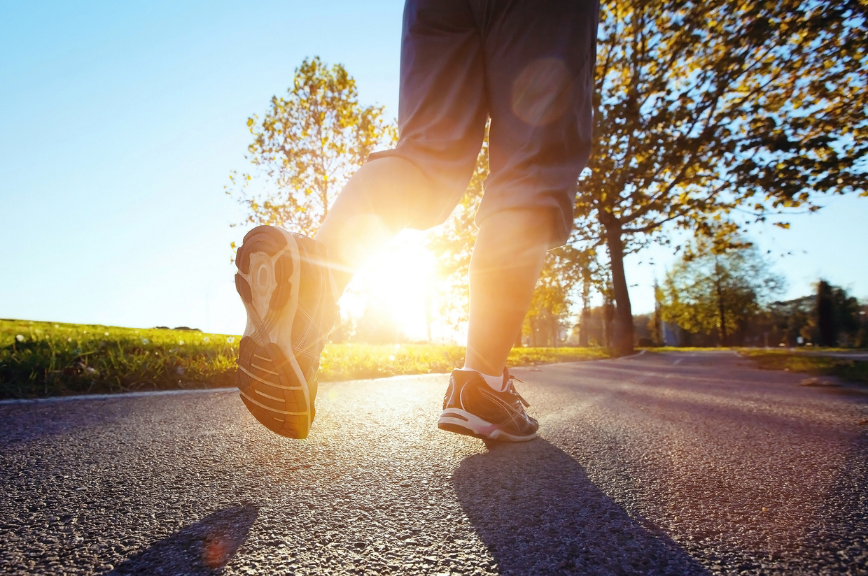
{"x": 538, "y": 513}
{"x": 201, "y": 548}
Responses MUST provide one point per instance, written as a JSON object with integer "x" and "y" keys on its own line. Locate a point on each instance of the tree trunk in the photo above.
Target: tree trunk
{"x": 585, "y": 322}
{"x": 721, "y": 309}
{"x": 585, "y": 327}
{"x": 657, "y": 331}
{"x": 825, "y": 314}
{"x": 623, "y": 342}
{"x": 554, "y": 325}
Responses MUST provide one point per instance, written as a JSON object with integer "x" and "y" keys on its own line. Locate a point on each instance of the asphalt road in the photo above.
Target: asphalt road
{"x": 686, "y": 463}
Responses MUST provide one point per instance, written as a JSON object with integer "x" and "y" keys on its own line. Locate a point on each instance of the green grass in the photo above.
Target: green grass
{"x": 685, "y": 349}
{"x": 39, "y": 359}
{"x": 53, "y": 359}
{"x": 814, "y": 364}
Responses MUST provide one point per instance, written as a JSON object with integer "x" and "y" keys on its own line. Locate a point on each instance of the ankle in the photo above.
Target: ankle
{"x": 497, "y": 383}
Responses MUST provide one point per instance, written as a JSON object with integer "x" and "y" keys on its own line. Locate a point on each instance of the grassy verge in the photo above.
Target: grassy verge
{"x": 685, "y": 349}
{"x": 814, "y": 364}
{"x": 39, "y": 359}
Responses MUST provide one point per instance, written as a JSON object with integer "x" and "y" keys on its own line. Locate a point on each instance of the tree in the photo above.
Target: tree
{"x": 718, "y": 290}
{"x": 862, "y": 336}
{"x": 307, "y": 146}
{"x": 377, "y": 325}
{"x": 655, "y": 325}
{"x": 794, "y": 319}
{"x": 551, "y": 299}
{"x": 847, "y": 316}
{"x": 708, "y": 109}
{"x": 826, "y": 329}
{"x": 838, "y": 316}
{"x": 586, "y": 263}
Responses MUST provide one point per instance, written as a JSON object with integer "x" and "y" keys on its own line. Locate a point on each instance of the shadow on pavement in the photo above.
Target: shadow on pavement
{"x": 537, "y": 512}
{"x": 201, "y": 548}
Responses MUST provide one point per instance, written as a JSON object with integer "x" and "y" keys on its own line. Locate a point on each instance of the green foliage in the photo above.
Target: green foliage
{"x": 39, "y": 359}
{"x": 787, "y": 321}
{"x": 713, "y": 290}
{"x": 307, "y": 146}
{"x": 705, "y": 108}
{"x": 799, "y": 321}
{"x": 825, "y": 314}
{"x": 837, "y": 316}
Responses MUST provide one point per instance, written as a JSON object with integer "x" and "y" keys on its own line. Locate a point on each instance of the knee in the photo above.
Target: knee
{"x": 528, "y": 226}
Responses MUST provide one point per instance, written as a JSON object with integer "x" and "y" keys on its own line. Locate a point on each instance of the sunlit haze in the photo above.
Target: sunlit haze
{"x": 401, "y": 278}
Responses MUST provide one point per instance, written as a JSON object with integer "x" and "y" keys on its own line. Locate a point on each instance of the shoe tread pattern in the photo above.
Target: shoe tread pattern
{"x": 282, "y": 269}
{"x": 269, "y": 389}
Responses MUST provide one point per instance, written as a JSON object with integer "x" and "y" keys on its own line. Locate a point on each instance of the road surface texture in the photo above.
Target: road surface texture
{"x": 677, "y": 463}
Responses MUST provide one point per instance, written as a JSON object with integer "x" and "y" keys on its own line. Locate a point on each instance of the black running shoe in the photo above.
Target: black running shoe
{"x": 289, "y": 295}
{"x": 472, "y": 407}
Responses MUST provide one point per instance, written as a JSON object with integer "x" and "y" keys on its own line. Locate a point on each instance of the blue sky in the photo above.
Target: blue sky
{"x": 119, "y": 125}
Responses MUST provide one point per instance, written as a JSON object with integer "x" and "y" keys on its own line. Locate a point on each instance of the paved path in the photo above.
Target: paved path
{"x": 683, "y": 463}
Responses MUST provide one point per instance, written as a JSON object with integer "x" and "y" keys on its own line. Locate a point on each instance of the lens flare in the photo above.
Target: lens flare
{"x": 541, "y": 93}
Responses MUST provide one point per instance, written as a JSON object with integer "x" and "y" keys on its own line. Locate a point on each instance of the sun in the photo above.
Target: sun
{"x": 400, "y": 278}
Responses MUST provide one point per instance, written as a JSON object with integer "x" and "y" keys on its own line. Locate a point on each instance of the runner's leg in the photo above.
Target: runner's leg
{"x": 506, "y": 263}
{"x": 539, "y": 66}
{"x": 376, "y": 204}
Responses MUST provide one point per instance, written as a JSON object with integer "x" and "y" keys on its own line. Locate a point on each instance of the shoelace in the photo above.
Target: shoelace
{"x": 511, "y": 389}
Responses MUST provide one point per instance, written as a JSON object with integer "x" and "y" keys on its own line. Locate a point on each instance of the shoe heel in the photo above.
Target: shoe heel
{"x": 270, "y": 241}
{"x": 268, "y": 378}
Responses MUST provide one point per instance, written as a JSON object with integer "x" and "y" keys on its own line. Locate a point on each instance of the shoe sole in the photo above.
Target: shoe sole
{"x": 463, "y": 422}
{"x": 271, "y": 384}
